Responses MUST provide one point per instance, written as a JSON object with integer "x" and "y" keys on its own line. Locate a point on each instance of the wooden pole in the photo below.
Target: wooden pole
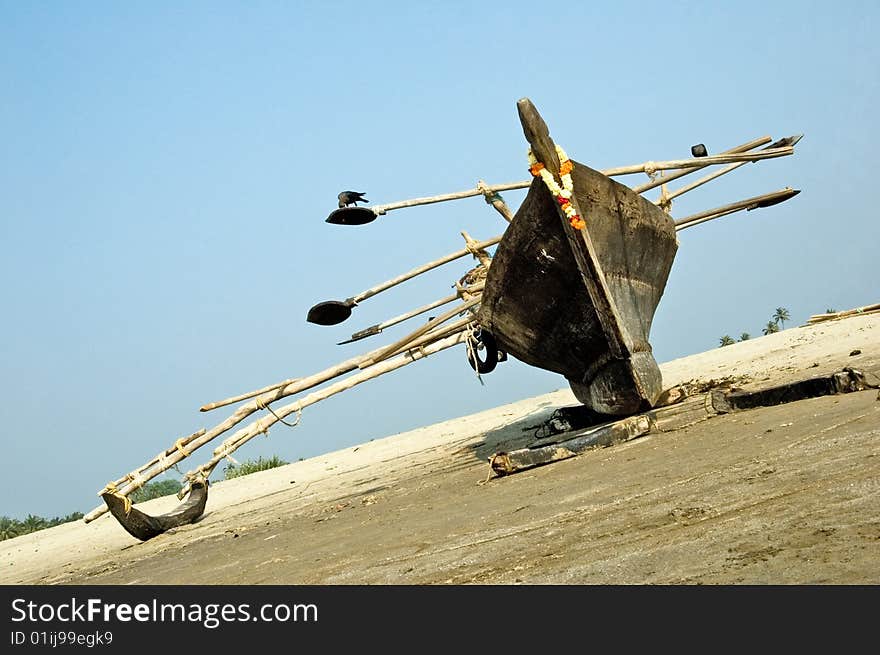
{"x": 432, "y": 336}
{"x": 494, "y": 198}
{"x": 689, "y": 164}
{"x": 706, "y": 219}
{"x": 745, "y": 147}
{"x": 748, "y": 204}
{"x": 245, "y": 396}
{"x": 377, "y": 329}
{"x": 427, "y": 200}
{"x": 699, "y": 162}
{"x": 867, "y": 309}
{"x": 262, "y": 425}
{"x": 430, "y": 325}
{"x": 174, "y": 455}
{"x": 471, "y": 249}
{"x": 474, "y": 246}
{"x": 788, "y": 141}
{"x": 135, "y": 477}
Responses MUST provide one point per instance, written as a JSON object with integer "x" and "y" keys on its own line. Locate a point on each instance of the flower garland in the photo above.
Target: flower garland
{"x": 562, "y": 195}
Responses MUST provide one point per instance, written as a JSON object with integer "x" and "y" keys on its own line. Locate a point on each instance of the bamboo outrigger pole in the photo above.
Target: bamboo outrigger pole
{"x": 262, "y": 425}
{"x": 748, "y": 204}
{"x": 249, "y": 394}
{"x": 788, "y": 141}
{"x": 332, "y": 312}
{"x": 388, "y": 351}
{"x": 739, "y": 154}
{"x": 377, "y": 329}
{"x": 180, "y": 451}
{"x": 663, "y": 179}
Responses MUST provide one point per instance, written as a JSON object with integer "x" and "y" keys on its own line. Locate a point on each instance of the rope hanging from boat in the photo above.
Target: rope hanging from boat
{"x": 112, "y": 489}
{"x": 471, "y": 345}
{"x": 561, "y": 195}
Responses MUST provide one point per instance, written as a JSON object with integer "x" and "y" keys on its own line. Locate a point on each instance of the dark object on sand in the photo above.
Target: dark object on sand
{"x": 143, "y": 526}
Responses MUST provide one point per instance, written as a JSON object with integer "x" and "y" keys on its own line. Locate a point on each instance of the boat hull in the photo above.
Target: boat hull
{"x": 536, "y": 302}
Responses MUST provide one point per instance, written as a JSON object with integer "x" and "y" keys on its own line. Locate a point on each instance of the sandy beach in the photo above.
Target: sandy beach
{"x": 778, "y": 495}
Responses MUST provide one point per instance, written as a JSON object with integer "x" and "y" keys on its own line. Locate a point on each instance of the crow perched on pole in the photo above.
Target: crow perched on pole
{"x": 347, "y": 198}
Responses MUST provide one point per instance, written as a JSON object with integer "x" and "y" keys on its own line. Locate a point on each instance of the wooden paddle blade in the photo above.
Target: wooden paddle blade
{"x": 782, "y": 197}
{"x": 362, "y": 334}
{"x": 352, "y": 216}
{"x": 331, "y": 312}
{"x": 786, "y": 142}
{"x": 143, "y": 526}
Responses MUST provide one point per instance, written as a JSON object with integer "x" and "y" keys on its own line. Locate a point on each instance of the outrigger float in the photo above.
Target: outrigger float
{"x": 572, "y": 287}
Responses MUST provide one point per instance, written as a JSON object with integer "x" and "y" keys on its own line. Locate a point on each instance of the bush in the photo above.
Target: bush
{"x": 252, "y": 466}
{"x": 155, "y": 490}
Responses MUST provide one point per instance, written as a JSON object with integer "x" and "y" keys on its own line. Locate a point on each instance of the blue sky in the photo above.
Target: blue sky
{"x": 167, "y": 167}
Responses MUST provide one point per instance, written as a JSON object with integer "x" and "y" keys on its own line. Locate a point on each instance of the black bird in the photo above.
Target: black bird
{"x": 699, "y": 150}
{"x": 347, "y": 198}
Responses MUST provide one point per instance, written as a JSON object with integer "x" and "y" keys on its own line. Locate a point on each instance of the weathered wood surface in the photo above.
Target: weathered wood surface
{"x": 597, "y": 437}
{"x": 244, "y": 396}
{"x": 831, "y": 316}
{"x": 581, "y": 302}
{"x": 614, "y": 333}
{"x": 690, "y": 411}
{"x": 143, "y": 526}
{"x": 845, "y": 381}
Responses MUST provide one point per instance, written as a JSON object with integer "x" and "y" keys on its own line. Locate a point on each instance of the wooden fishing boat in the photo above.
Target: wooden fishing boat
{"x": 580, "y": 302}
{"x": 572, "y": 287}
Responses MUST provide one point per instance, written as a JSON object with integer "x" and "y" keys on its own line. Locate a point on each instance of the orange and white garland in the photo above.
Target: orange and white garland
{"x": 562, "y": 195}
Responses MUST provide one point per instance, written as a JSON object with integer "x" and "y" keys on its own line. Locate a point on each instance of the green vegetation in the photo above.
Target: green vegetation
{"x": 10, "y": 528}
{"x": 770, "y": 328}
{"x": 780, "y": 316}
{"x": 252, "y": 466}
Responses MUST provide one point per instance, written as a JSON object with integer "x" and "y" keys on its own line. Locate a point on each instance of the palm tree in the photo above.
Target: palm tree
{"x": 726, "y": 340}
{"x": 9, "y": 528}
{"x": 781, "y": 316}
{"x": 745, "y": 336}
{"x": 771, "y": 327}
{"x": 33, "y": 523}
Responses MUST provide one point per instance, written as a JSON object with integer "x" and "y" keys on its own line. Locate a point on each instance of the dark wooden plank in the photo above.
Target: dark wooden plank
{"x": 596, "y": 437}
{"x": 691, "y": 410}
